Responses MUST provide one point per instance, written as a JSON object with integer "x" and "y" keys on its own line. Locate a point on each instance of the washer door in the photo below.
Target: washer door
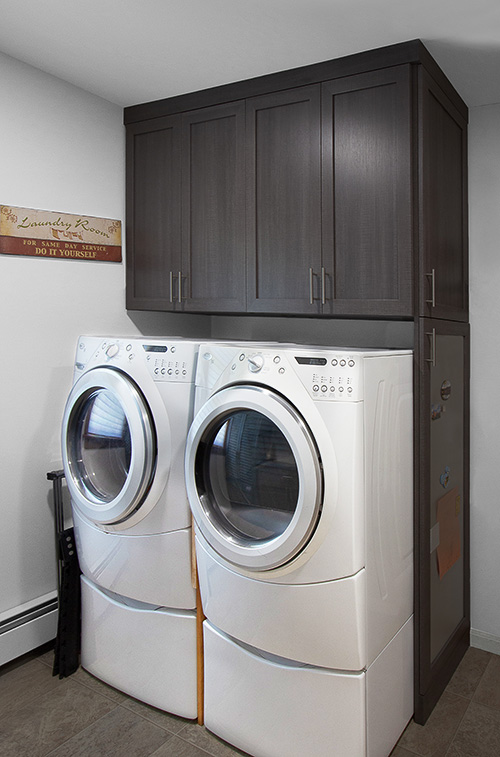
{"x": 108, "y": 445}
{"x": 253, "y": 476}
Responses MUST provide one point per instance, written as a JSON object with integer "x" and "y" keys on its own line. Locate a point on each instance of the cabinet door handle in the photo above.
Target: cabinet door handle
{"x": 311, "y": 286}
{"x": 432, "y": 277}
{"x": 432, "y": 358}
{"x": 179, "y": 291}
{"x": 323, "y": 285}
{"x": 171, "y": 281}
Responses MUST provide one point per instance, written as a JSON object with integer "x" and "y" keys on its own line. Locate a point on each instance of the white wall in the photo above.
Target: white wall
{"x": 62, "y": 149}
{"x": 484, "y": 200}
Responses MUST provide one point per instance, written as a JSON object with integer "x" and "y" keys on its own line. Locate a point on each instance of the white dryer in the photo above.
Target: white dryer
{"x": 299, "y": 476}
{"x": 123, "y": 440}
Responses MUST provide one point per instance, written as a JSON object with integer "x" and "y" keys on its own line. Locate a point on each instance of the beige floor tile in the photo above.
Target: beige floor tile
{"x": 203, "y": 739}
{"x": 469, "y": 673}
{"x": 47, "y": 658}
{"x": 488, "y": 691}
{"x": 23, "y": 684}
{"x": 478, "y": 734}
{"x": 118, "y": 733}
{"x": 165, "y": 720}
{"x": 433, "y": 738}
{"x": 87, "y": 679}
{"x": 400, "y": 752}
{"x": 36, "y": 727}
{"x": 176, "y": 747}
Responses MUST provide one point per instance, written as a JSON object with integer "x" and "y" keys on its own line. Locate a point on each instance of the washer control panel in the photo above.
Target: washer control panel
{"x": 164, "y": 361}
{"x": 170, "y": 363}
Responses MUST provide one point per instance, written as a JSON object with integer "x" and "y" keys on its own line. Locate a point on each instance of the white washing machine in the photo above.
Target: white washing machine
{"x": 299, "y": 476}
{"x": 123, "y": 441}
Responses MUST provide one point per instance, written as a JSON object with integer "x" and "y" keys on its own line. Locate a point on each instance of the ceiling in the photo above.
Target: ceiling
{"x": 132, "y": 51}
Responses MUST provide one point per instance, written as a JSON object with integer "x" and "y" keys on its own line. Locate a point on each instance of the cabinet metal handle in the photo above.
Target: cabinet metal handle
{"x": 432, "y": 358}
{"x": 171, "y": 287}
{"x": 432, "y": 277}
{"x": 311, "y": 287}
{"x": 323, "y": 285}
{"x": 179, "y": 291}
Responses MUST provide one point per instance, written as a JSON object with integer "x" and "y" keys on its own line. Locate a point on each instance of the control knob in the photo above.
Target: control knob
{"x": 112, "y": 350}
{"x": 255, "y": 363}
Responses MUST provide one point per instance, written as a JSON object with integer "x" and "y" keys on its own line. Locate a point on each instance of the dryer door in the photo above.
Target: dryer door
{"x": 108, "y": 445}
{"x": 254, "y": 477}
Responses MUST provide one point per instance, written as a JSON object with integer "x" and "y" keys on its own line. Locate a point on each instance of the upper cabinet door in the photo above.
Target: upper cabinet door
{"x": 284, "y": 202}
{"x": 443, "y": 254}
{"x": 153, "y": 214}
{"x": 213, "y": 209}
{"x": 367, "y": 203}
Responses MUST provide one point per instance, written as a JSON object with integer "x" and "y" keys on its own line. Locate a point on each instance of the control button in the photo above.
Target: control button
{"x": 169, "y": 371}
{"x": 157, "y": 370}
{"x": 163, "y": 371}
{"x": 276, "y": 359}
{"x": 184, "y": 372}
{"x": 172, "y": 349}
{"x": 324, "y": 388}
{"x": 351, "y": 363}
{"x": 281, "y": 370}
{"x": 332, "y": 388}
{"x": 342, "y": 363}
{"x": 335, "y": 361}
{"x": 315, "y": 388}
{"x": 112, "y": 350}
{"x": 349, "y": 389}
{"x": 341, "y": 388}
{"x": 242, "y": 356}
{"x": 128, "y": 347}
{"x": 255, "y": 363}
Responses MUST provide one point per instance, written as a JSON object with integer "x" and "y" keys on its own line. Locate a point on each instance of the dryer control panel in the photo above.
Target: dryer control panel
{"x": 327, "y": 375}
{"x": 331, "y": 376}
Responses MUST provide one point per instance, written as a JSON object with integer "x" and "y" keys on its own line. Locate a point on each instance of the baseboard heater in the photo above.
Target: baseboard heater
{"x": 27, "y": 627}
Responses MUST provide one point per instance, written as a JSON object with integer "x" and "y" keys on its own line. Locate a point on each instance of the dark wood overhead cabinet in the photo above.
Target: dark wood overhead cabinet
{"x": 333, "y": 190}
{"x": 186, "y": 211}
{"x": 337, "y": 189}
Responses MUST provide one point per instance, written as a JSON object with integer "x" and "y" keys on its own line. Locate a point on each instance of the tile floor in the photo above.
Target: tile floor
{"x": 80, "y": 716}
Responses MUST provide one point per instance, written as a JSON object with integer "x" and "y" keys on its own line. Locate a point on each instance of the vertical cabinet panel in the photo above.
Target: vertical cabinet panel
{"x": 213, "y": 209}
{"x": 284, "y": 201}
{"x": 367, "y": 210}
{"x": 442, "y": 577}
{"x": 446, "y": 489}
{"x": 443, "y": 202}
{"x": 153, "y": 214}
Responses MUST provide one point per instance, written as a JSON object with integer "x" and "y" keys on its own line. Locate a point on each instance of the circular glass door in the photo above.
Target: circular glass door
{"x": 109, "y": 445}
{"x": 253, "y": 476}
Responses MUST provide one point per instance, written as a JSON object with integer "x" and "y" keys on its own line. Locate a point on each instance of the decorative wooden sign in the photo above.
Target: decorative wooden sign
{"x": 46, "y": 234}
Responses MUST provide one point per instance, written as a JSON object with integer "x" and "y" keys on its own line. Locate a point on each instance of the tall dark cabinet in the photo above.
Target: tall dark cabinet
{"x": 442, "y": 577}
{"x": 442, "y": 347}
{"x": 333, "y": 190}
